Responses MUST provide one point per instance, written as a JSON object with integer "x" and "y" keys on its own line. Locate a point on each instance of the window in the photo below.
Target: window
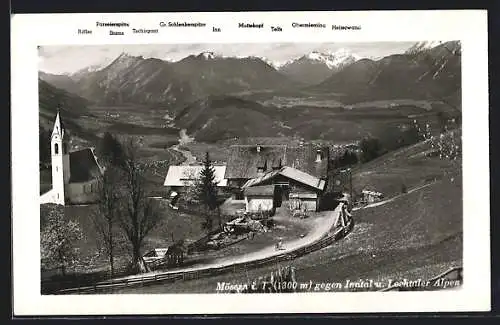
{"x": 56, "y": 149}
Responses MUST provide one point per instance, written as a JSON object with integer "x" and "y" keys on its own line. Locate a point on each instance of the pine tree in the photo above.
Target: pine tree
{"x": 110, "y": 150}
{"x": 207, "y": 192}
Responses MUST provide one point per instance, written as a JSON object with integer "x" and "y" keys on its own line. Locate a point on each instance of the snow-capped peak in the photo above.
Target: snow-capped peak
{"x": 423, "y": 45}
{"x": 97, "y": 67}
{"x": 279, "y": 64}
{"x": 274, "y": 64}
{"x": 333, "y": 59}
{"x": 208, "y": 55}
{"x": 91, "y": 68}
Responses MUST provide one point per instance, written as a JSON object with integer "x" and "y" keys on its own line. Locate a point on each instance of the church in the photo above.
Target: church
{"x": 75, "y": 175}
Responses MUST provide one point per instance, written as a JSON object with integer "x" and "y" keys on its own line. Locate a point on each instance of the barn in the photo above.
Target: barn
{"x": 178, "y": 177}
{"x": 287, "y": 187}
{"x": 259, "y": 198}
{"x": 371, "y": 196}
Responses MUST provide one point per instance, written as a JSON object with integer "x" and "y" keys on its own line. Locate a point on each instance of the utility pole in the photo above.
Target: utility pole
{"x": 350, "y": 187}
{"x": 344, "y": 171}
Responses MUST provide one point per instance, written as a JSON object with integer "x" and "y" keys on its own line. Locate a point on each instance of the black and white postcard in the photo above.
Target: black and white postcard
{"x": 207, "y": 163}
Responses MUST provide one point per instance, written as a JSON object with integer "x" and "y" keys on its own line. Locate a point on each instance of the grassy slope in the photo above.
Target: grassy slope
{"x": 406, "y": 166}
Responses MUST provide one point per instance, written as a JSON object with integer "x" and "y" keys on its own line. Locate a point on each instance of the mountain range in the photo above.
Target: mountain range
{"x": 422, "y": 72}
{"x": 216, "y": 97}
{"x": 314, "y": 67}
{"x": 137, "y": 80}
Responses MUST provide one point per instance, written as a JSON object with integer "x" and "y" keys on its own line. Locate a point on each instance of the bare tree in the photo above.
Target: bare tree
{"x": 137, "y": 215}
{"x": 104, "y": 219}
{"x": 191, "y": 182}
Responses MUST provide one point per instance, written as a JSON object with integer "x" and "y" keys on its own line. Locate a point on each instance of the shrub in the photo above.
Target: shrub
{"x": 371, "y": 149}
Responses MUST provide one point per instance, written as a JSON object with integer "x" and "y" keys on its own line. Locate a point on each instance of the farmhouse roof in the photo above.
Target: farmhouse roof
{"x": 303, "y": 178}
{"x": 368, "y": 192}
{"x": 245, "y": 160}
{"x": 261, "y": 179}
{"x": 83, "y": 166}
{"x": 291, "y": 173}
{"x": 179, "y": 175}
{"x": 265, "y": 190}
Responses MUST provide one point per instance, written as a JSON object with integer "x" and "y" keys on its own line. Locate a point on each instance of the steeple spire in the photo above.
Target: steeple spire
{"x": 58, "y": 126}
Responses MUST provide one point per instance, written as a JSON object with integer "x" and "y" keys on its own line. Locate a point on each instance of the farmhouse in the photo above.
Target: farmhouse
{"x": 251, "y": 161}
{"x": 287, "y": 185}
{"x": 371, "y": 196}
{"x": 179, "y": 177}
{"x": 75, "y": 175}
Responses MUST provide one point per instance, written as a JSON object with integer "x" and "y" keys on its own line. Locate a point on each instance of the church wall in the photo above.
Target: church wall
{"x": 66, "y": 168}
{"x": 82, "y": 193}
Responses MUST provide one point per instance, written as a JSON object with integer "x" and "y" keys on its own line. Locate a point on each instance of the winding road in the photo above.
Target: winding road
{"x": 323, "y": 224}
{"x": 184, "y": 139}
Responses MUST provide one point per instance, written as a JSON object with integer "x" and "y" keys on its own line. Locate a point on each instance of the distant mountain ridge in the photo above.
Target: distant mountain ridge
{"x": 315, "y": 67}
{"x": 422, "y": 72}
{"x": 134, "y": 79}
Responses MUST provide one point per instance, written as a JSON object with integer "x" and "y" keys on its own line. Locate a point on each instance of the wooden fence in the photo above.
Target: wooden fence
{"x": 197, "y": 274}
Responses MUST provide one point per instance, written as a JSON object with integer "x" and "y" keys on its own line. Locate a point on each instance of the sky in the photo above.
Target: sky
{"x": 69, "y": 59}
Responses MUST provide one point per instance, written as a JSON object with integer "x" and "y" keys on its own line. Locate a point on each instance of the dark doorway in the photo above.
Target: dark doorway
{"x": 278, "y": 196}
{"x": 281, "y": 193}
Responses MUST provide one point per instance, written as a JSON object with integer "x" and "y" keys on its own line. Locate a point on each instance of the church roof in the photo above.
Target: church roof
{"x": 83, "y": 166}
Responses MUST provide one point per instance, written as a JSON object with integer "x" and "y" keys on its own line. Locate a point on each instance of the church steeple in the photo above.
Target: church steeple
{"x": 58, "y": 126}
{"x": 60, "y": 161}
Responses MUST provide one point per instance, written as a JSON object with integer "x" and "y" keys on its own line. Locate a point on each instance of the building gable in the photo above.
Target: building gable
{"x": 290, "y": 173}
